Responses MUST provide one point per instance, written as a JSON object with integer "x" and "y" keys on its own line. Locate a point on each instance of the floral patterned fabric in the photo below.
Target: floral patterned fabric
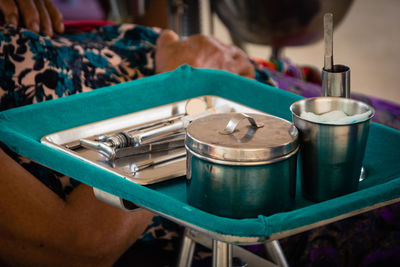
{"x": 35, "y": 68}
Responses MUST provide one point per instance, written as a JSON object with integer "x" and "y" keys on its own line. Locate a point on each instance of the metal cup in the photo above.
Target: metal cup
{"x": 331, "y": 154}
{"x": 336, "y": 82}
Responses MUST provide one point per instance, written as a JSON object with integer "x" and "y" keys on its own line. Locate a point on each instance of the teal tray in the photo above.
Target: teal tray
{"x": 22, "y": 128}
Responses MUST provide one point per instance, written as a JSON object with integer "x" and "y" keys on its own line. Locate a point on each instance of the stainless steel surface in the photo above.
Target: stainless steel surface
{"x": 245, "y": 255}
{"x": 278, "y": 23}
{"x": 363, "y": 174}
{"x": 154, "y": 132}
{"x": 241, "y": 170}
{"x": 236, "y": 119}
{"x": 237, "y": 191}
{"x": 331, "y": 154}
{"x": 227, "y": 173}
{"x": 247, "y": 144}
{"x": 170, "y": 142}
{"x": 274, "y": 250}
{"x": 104, "y": 148}
{"x": 162, "y": 159}
{"x": 336, "y": 82}
{"x": 111, "y": 152}
{"x": 244, "y": 163}
{"x": 222, "y": 254}
{"x": 114, "y": 200}
{"x": 68, "y": 140}
{"x": 186, "y": 251}
{"x": 328, "y": 41}
{"x": 335, "y": 78}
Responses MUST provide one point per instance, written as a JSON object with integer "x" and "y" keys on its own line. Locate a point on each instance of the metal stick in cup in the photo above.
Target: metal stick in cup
{"x": 328, "y": 41}
{"x": 335, "y": 78}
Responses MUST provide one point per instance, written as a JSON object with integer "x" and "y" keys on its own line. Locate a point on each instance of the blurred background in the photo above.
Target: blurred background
{"x": 366, "y": 32}
{"x": 368, "y": 41}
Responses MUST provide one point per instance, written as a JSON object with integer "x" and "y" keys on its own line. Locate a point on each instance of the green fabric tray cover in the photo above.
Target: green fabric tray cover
{"x": 22, "y": 128}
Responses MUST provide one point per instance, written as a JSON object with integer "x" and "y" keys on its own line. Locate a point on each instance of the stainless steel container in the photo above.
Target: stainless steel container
{"x": 331, "y": 154}
{"x": 336, "y": 82}
{"x": 241, "y": 169}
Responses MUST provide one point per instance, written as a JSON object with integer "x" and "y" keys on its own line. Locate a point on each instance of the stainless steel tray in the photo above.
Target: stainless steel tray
{"x": 68, "y": 141}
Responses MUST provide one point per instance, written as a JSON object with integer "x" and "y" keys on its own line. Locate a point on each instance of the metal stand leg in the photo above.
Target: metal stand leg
{"x": 222, "y": 254}
{"x": 274, "y": 250}
{"x": 187, "y": 250}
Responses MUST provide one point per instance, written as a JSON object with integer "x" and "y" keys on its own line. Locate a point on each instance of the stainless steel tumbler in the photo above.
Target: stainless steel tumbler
{"x": 331, "y": 154}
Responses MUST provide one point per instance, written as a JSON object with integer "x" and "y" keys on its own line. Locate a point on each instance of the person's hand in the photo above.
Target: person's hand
{"x": 37, "y": 15}
{"x": 200, "y": 51}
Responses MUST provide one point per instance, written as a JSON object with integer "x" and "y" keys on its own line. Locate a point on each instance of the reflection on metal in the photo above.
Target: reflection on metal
{"x": 236, "y": 119}
{"x": 114, "y": 200}
{"x": 161, "y": 135}
{"x": 222, "y": 254}
{"x": 240, "y": 257}
{"x": 336, "y": 82}
{"x": 187, "y": 249}
{"x": 331, "y": 154}
{"x": 126, "y": 162}
{"x": 335, "y": 78}
{"x": 152, "y": 162}
{"x": 274, "y": 250}
{"x": 277, "y": 23}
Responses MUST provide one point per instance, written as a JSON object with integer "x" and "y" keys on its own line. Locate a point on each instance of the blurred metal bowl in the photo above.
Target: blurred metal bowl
{"x": 278, "y": 23}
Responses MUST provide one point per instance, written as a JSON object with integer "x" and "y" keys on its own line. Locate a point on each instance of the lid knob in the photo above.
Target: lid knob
{"x": 236, "y": 119}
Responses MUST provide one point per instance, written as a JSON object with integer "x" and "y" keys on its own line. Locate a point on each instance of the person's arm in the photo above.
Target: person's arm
{"x": 38, "y": 228}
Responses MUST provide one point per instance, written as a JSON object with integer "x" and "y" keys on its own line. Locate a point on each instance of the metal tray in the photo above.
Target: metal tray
{"x": 68, "y": 141}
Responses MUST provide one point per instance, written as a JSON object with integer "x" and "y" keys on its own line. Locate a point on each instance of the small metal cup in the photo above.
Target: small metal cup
{"x": 331, "y": 154}
{"x": 336, "y": 82}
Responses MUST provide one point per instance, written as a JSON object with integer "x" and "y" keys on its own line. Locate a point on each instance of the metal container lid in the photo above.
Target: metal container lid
{"x": 239, "y": 137}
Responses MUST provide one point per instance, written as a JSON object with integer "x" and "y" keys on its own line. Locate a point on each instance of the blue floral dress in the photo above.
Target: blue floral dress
{"x": 35, "y": 68}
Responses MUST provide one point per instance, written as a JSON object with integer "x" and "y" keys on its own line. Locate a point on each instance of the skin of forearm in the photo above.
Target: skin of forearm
{"x": 38, "y": 228}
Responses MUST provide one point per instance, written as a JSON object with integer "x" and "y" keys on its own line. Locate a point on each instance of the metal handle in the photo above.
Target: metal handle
{"x": 328, "y": 40}
{"x": 158, "y": 160}
{"x": 111, "y": 152}
{"x": 236, "y": 119}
